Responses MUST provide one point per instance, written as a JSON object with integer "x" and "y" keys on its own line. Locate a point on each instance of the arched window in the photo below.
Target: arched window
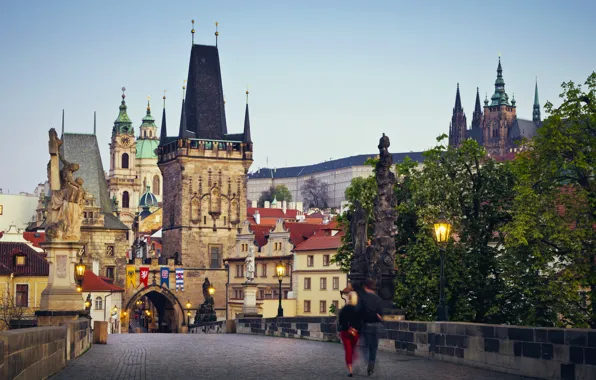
{"x": 156, "y": 185}
{"x": 125, "y": 161}
{"x": 98, "y": 303}
{"x": 125, "y": 199}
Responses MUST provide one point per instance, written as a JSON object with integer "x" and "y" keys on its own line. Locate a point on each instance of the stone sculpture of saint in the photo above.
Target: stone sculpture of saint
{"x": 250, "y": 264}
{"x": 206, "y": 286}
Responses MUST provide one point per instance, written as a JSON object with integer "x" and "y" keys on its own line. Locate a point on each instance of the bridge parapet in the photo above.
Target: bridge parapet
{"x": 547, "y": 353}
{"x": 216, "y": 327}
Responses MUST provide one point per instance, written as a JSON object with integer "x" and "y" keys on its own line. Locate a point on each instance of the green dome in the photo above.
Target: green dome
{"x": 146, "y": 148}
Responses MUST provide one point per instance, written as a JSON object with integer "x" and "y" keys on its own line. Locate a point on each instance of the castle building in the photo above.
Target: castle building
{"x": 205, "y": 169}
{"x": 133, "y": 163}
{"x": 496, "y": 126}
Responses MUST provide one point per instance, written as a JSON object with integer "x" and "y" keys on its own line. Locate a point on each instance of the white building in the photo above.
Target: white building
{"x": 105, "y": 298}
{"x": 17, "y": 210}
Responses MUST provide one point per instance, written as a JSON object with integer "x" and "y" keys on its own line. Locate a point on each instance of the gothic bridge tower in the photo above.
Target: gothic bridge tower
{"x": 204, "y": 171}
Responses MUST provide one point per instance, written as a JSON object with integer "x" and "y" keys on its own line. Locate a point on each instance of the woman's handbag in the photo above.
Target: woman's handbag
{"x": 352, "y": 331}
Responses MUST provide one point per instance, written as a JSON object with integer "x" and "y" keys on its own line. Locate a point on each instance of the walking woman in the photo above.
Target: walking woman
{"x": 350, "y": 324}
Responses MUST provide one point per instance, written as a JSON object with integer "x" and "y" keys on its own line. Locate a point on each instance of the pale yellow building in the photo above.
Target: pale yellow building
{"x": 316, "y": 281}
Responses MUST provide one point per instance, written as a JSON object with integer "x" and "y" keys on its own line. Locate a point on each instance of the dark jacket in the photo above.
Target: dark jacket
{"x": 349, "y": 317}
{"x": 370, "y": 305}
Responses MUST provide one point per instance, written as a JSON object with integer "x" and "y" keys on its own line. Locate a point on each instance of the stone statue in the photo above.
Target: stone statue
{"x": 358, "y": 228}
{"x": 206, "y": 286}
{"x": 67, "y": 196}
{"x": 206, "y": 311}
{"x": 250, "y": 264}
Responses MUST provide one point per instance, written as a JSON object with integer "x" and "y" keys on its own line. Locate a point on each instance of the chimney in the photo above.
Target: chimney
{"x": 257, "y": 217}
{"x": 284, "y": 206}
{"x": 253, "y": 204}
{"x": 292, "y": 205}
{"x": 267, "y": 204}
{"x": 299, "y": 206}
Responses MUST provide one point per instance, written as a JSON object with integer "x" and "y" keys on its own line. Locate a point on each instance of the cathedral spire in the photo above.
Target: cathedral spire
{"x": 122, "y": 124}
{"x": 458, "y": 127}
{"x": 500, "y": 97}
{"x": 536, "y": 107}
{"x": 477, "y": 115}
{"x": 246, "y": 138}
{"x": 164, "y": 131}
{"x": 183, "y": 132}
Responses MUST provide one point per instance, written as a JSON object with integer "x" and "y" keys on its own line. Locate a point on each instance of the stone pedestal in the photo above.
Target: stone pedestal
{"x": 60, "y": 300}
{"x": 249, "y": 308}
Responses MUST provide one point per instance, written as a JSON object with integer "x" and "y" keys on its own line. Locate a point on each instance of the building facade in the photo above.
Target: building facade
{"x": 105, "y": 300}
{"x": 17, "y": 210}
{"x": 496, "y": 125}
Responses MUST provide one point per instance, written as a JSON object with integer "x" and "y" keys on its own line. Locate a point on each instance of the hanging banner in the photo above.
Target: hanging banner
{"x": 130, "y": 276}
{"x": 144, "y": 275}
{"x": 165, "y": 277}
{"x": 179, "y": 279}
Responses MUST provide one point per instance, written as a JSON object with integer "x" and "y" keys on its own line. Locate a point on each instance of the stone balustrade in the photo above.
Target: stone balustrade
{"x": 546, "y": 353}
{"x": 38, "y": 352}
{"x": 216, "y": 327}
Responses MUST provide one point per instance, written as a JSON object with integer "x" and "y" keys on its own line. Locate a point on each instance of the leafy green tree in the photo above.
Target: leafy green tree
{"x": 315, "y": 193}
{"x": 555, "y": 203}
{"x": 279, "y": 192}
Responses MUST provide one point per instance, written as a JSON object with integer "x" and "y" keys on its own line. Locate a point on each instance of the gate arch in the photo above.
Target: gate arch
{"x": 155, "y": 293}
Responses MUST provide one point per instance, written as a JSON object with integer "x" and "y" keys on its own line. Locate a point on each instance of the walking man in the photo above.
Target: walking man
{"x": 371, "y": 309}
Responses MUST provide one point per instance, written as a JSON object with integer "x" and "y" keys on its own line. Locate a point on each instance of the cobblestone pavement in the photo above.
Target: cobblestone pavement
{"x": 244, "y": 357}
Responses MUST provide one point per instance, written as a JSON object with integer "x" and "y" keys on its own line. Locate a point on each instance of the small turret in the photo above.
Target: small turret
{"x": 122, "y": 124}
{"x": 246, "y": 136}
{"x": 164, "y": 131}
{"x": 536, "y": 107}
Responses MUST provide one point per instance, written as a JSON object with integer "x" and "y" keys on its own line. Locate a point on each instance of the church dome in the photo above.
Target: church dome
{"x": 148, "y": 199}
{"x": 146, "y": 148}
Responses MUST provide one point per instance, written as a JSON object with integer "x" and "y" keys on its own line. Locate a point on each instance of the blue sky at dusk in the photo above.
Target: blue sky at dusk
{"x": 326, "y": 78}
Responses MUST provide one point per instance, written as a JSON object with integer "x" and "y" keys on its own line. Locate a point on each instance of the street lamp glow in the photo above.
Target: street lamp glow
{"x": 211, "y": 290}
{"x": 188, "y": 305}
{"x": 188, "y": 313}
{"x": 87, "y": 304}
{"x": 442, "y": 230}
{"x": 79, "y": 289}
{"x": 281, "y": 270}
{"x": 80, "y": 270}
{"x": 148, "y": 312}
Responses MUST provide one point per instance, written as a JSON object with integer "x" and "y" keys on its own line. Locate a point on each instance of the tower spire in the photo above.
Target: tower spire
{"x": 164, "y": 132}
{"x": 477, "y": 115}
{"x": 458, "y": 126}
{"x": 536, "y": 107}
{"x": 500, "y": 97}
{"x": 123, "y": 125}
{"x": 192, "y": 31}
{"x": 183, "y": 133}
{"x": 216, "y": 32}
{"x": 457, "y": 99}
{"x": 246, "y": 138}
{"x": 63, "y": 121}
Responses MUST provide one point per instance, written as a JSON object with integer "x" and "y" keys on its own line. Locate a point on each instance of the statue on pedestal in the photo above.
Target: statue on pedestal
{"x": 206, "y": 311}
{"x": 250, "y": 264}
{"x": 67, "y": 196}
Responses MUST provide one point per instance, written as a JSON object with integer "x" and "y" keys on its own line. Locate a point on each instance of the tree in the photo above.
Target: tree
{"x": 315, "y": 193}
{"x": 555, "y": 202}
{"x": 9, "y": 311}
{"x": 279, "y": 192}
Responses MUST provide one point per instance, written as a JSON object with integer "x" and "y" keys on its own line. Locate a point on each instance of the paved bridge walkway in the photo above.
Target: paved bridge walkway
{"x": 244, "y": 357}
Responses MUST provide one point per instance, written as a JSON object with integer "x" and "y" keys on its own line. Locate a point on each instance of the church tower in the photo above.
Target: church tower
{"x": 123, "y": 184}
{"x": 458, "y": 126}
{"x": 477, "y": 115}
{"x": 536, "y": 107}
{"x": 204, "y": 171}
{"x": 146, "y": 157}
{"x": 499, "y": 117}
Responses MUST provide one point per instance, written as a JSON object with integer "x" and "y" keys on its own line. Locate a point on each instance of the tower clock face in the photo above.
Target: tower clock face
{"x": 125, "y": 141}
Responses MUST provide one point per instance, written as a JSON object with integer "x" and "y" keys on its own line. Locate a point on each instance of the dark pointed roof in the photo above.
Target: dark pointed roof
{"x": 457, "y": 100}
{"x": 205, "y": 112}
{"x": 536, "y": 107}
{"x": 35, "y": 264}
{"x": 184, "y": 132}
{"x": 500, "y": 97}
{"x": 164, "y": 131}
{"x": 246, "y": 136}
{"x": 477, "y": 108}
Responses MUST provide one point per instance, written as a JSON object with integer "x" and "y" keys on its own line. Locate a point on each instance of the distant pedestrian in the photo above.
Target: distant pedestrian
{"x": 371, "y": 311}
{"x": 350, "y": 324}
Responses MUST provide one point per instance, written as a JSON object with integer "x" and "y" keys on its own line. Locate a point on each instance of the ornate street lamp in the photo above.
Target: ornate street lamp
{"x": 281, "y": 271}
{"x": 211, "y": 290}
{"x": 442, "y": 232}
{"x": 80, "y": 271}
{"x": 115, "y": 310}
{"x": 188, "y": 305}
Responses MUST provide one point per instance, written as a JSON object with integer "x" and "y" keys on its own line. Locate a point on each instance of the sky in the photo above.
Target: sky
{"x": 326, "y": 78}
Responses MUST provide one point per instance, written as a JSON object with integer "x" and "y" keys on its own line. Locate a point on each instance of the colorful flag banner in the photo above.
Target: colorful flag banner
{"x": 144, "y": 275}
{"x": 179, "y": 279}
{"x": 165, "y": 277}
{"x": 130, "y": 276}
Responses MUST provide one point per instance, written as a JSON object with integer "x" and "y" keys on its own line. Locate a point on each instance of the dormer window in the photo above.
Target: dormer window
{"x": 20, "y": 260}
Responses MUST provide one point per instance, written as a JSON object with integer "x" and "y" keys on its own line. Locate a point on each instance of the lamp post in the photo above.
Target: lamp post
{"x": 188, "y": 318}
{"x": 188, "y": 305}
{"x": 80, "y": 274}
{"x": 281, "y": 271}
{"x": 442, "y": 230}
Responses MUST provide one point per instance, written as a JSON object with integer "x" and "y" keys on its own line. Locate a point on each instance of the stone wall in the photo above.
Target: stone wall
{"x": 34, "y": 353}
{"x": 78, "y": 337}
{"x": 218, "y": 327}
{"x": 546, "y": 353}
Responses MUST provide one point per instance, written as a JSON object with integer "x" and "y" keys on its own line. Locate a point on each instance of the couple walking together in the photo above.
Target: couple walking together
{"x": 361, "y": 316}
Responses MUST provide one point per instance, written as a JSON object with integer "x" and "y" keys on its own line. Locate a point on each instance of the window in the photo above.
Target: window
{"x": 125, "y": 199}
{"x": 1, "y": 209}
{"x": 310, "y": 260}
{"x": 20, "y": 260}
{"x": 98, "y": 303}
{"x": 239, "y": 294}
{"x": 240, "y": 270}
{"x": 225, "y": 220}
{"x": 215, "y": 259}
{"x": 323, "y": 307}
{"x": 307, "y": 283}
{"x": 285, "y": 294}
{"x": 336, "y": 305}
{"x": 264, "y": 271}
{"x": 323, "y": 283}
{"x": 110, "y": 272}
{"x": 125, "y": 161}
{"x": 155, "y": 185}
{"x": 261, "y": 294}
{"x": 204, "y": 220}
{"x": 326, "y": 260}
{"x": 110, "y": 250}
{"x": 307, "y": 306}
{"x": 335, "y": 283}
{"x": 22, "y": 295}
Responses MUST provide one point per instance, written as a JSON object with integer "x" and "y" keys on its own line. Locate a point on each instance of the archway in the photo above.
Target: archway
{"x": 165, "y": 311}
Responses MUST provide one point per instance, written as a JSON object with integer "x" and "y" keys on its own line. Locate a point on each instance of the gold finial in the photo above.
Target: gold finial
{"x": 123, "y": 95}
{"x": 216, "y": 32}
{"x": 148, "y": 104}
{"x": 246, "y": 94}
{"x": 193, "y": 32}
{"x": 164, "y": 98}
{"x": 183, "y": 88}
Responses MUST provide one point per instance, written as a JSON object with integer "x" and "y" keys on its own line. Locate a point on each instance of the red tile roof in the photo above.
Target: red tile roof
{"x": 316, "y": 243}
{"x": 94, "y": 283}
{"x": 272, "y": 213}
{"x": 261, "y": 233}
{"x": 299, "y": 232}
{"x": 35, "y": 264}
{"x": 35, "y": 238}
